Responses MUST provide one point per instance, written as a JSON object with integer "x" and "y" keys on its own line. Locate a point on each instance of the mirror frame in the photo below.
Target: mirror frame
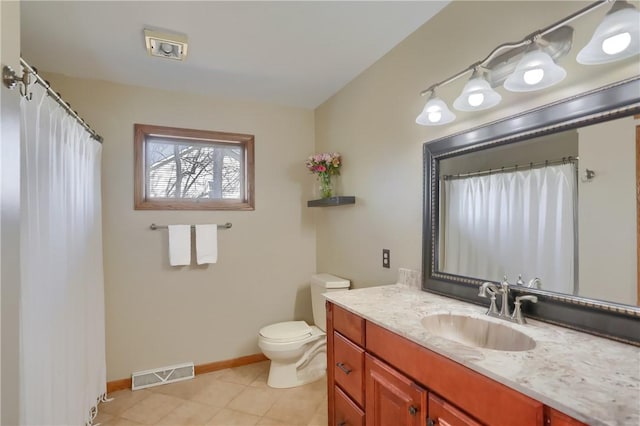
{"x": 612, "y": 320}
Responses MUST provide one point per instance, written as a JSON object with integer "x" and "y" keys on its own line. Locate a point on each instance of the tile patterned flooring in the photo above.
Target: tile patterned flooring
{"x": 235, "y": 396}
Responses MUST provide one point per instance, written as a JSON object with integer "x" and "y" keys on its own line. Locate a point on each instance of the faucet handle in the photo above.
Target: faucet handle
{"x": 487, "y": 287}
{"x": 517, "y": 310}
{"x": 491, "y": 289}
{"x": 504, "y": 285}
{"x": 520, "y": 282}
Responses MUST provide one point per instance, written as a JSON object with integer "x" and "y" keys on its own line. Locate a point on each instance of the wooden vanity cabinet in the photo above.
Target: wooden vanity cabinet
{"x": 376, "y": 377}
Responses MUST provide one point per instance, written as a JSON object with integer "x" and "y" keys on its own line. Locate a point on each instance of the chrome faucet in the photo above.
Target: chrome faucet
{"x": 491, "y": 289}
{"x": 534, "y": 283}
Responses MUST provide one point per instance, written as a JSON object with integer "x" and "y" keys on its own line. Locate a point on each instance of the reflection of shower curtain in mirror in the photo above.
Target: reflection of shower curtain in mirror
{"x": 512, "y": 223}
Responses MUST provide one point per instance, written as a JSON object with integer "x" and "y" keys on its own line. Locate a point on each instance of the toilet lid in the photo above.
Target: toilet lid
{"x": 286, "y": 331}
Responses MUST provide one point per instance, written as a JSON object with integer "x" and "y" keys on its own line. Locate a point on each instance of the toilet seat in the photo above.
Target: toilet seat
{"x": 290, "y": 345}
{"x": 288, "y": 331}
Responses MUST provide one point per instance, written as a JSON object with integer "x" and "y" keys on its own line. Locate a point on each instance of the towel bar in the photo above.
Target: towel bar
{"x": 153, "y": 226}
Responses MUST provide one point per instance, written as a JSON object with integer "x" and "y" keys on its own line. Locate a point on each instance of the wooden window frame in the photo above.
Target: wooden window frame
{"x": 141, "y": 202}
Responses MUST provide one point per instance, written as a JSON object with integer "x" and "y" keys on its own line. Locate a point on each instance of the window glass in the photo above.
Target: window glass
{"x": 193, "y": 169}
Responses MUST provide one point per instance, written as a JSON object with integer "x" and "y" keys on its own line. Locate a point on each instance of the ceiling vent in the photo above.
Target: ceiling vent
{"x": 164, "y": 45}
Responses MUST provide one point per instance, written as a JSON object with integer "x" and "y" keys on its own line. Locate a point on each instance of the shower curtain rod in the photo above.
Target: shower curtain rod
{"x": 10, "y": 80}
{"x": 540, "y": 164}
{"x": 58, "y": 98}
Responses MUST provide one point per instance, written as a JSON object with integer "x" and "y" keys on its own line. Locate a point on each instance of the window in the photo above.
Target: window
{"x": 192, "y": 169}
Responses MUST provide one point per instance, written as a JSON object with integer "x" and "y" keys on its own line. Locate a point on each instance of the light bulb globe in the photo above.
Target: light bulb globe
{"x": 616, "y": 44}
{"x": 435, "y": 113}
{"x": 477, "y": 95}
{"x": 536, "y": 70}
{"x": 616, "y": 38}
{"x": 533, "y": 76}
{"x": 475, "y": 99}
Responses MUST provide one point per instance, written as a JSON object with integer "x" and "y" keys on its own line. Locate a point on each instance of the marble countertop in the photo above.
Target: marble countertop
{"x": 592, "y": 379}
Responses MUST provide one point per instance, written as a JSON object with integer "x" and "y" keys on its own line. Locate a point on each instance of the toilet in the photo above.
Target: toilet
{"x": 296, "y": 349}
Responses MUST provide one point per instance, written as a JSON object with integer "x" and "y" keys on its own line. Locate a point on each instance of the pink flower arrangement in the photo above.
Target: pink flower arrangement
{"x": 326, "y": 163}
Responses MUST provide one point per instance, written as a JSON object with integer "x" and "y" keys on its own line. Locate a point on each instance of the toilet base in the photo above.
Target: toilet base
{"x": 287, "y": 375}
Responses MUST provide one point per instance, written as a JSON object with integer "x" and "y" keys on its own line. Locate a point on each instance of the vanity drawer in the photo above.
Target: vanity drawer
{"x": 348, "y": 324}
{"x": 349, "y": 367}
{"x": 347, "y": 413}
{"x": 441, "y": 413}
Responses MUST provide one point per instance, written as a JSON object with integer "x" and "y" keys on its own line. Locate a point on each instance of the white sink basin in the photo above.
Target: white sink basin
{"x": 477, "y": 332}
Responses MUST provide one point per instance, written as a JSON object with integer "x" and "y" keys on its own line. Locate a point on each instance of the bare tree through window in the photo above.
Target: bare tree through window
{"x": 179, "y": 170}
{"x": 189, "y": 169}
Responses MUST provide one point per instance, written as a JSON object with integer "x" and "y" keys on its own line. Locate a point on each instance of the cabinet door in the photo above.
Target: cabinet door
{"x": 391, "y": 398}
{"x": 441, "y": 413}
{"x": 556, "y": 418}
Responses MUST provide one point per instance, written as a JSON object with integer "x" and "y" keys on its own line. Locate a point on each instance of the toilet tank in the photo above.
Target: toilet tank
{"x": 324, "y": 283}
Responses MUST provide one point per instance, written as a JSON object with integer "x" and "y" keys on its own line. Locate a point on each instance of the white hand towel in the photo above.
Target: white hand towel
{"x": 179, "y": 245}
{"x": 206, "y": 243}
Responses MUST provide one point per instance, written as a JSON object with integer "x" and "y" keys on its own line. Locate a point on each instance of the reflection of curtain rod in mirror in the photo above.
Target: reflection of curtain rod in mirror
{"x": 540, "y": 164}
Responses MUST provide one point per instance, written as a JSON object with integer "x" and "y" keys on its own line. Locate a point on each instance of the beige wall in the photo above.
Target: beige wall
{"x": 159, "y": 315}
{"x": 371, "y": 122}
{"x": 607, "y": 208}
{"x": 9, "y": 216}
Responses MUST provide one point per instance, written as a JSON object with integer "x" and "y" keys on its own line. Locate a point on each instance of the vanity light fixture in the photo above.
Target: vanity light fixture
{"x": 530, "y": 64}
{"x": 165, "y": 45}
{"x": 535, "y": 71}
{"x": 477, "y": 94}
{"x": 617, "y": 37}
{"x": 435, "y": 112}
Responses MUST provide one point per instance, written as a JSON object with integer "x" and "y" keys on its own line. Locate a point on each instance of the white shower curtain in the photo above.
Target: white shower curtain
{"x": 512, "y": 223}
{"x": 62, "y": 334}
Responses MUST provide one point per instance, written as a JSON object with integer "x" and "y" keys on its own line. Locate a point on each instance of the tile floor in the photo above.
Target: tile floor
{"x": 235, "y": 396}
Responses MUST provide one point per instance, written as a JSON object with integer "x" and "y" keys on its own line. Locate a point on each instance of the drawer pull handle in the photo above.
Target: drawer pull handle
{"x": 413, "y": 410}
{"x": 342, "y": 424}
{"x": 343, "y": 367}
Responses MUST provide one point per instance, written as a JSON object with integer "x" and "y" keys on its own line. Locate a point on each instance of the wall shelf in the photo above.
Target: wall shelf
{"x": 332, "y": 201}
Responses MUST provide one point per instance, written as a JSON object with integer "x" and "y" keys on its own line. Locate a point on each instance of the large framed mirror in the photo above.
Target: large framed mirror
{"x": 549, "y": 199}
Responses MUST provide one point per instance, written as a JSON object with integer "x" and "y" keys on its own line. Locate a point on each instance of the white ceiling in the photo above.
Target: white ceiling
{"x": 290, "y": 53}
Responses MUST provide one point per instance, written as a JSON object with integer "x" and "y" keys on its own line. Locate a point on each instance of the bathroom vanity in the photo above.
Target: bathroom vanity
{"x": 385, "y": 367}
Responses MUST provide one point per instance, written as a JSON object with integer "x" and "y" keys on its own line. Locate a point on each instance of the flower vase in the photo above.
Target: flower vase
{"x": 326, "y": 185}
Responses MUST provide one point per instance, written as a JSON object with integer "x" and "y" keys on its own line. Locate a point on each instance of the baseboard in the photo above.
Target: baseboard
{"x": 116, "y": 385}
{"x": 230, "y": 363}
